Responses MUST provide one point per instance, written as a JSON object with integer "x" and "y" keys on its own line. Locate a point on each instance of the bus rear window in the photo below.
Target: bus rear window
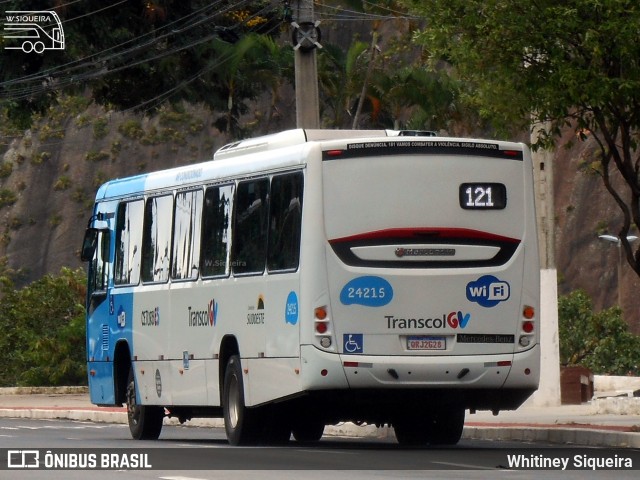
{"x": 286, "y": 219}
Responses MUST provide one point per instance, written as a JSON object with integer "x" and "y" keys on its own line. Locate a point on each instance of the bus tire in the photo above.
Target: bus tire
{"x": 145, "y": 421}
{"x": 441, "y": 427}
{"x": 240, "y": 423}
{"x": 308, "y": 431}
{"x": 411, "y": 432}
{"x": 446, "y": 427}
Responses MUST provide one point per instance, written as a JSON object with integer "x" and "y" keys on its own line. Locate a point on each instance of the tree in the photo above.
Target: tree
{"x": 571, "y": 64}
{"x": 599, "y": 341}
{"x": 340, "y": 79}
{"x": 43, "y": 330}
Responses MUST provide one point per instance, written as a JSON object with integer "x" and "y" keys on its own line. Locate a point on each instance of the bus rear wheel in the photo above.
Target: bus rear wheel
{"x": 240, "y": 423}
{"x": 308, "y": 431}
{"x": 145, "y": 421}
{"x": 446, "y": 427}
{"x": 440, "y": 427}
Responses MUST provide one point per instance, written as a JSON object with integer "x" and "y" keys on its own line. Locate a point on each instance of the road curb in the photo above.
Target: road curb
{"x": 43, "y": 390}
{"x": 593, "y": 437}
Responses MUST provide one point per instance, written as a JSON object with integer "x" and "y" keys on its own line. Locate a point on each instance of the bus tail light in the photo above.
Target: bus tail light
{"x": 322, "y": 326}
{"x": 527, "y": 327}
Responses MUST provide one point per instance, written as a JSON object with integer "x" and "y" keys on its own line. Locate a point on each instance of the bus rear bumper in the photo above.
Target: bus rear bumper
{"x": 367, "y": 385}
{"x": 519, "y": 371}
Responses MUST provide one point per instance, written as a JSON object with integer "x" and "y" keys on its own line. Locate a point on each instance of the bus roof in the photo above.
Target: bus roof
{"x": 289, "y": 138}
{"x": 277, "y": 151}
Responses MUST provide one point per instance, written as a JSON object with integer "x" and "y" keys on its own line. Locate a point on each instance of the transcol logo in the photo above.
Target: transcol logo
{"x": 203, "y": 318}
{"x": 455, "y": 319}
{"x": 488, "y": 291}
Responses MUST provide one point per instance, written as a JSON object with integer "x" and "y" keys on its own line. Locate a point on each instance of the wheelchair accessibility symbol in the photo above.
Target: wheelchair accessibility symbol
{"x": 353, "y": 343}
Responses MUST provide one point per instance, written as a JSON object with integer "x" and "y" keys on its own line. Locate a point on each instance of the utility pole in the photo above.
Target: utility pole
{"x": 545, "y": 210}
{"x": 306, "y": 39}
{"x": 548, "y": 393}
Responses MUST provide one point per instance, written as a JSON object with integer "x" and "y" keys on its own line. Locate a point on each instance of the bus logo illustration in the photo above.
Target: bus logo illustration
{"x": 369, "y": 291}
{"x": 212, "y": 310}
{"x": 291, "y": 309}
{"x": 203, "y": 318}
{"x": 488, "y": 291}
{"x": 33, "y": 31}
{"x": 122, "y": 317}
{"x": 23, "y": 459}
{"x": 150, "y": 318}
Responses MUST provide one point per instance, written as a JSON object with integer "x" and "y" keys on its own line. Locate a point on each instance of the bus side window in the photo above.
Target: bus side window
{"x": 128, "y": 242}
{"x": 187, "y": 216}
{"x": 286, "y": 221}
{"x": 216, "y": 231}
{"x": 250, "y": 232}
{"x": 156, "y": 239}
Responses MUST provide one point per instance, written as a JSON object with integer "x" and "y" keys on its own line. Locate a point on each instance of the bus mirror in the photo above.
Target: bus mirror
{"x": 89, "y": 244}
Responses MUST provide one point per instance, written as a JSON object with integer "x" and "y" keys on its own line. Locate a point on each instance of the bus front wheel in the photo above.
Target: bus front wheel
{"x": 240, "y": 423}
{"x": 145, "y": 421}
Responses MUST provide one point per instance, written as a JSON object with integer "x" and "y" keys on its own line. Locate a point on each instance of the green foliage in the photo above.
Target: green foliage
{"x": 96, "y": 156}
{"x": 599, "y": 341}
{"x": 6, "y": 168}
{"x": 100, "y": 128}
{"x": 524, "y": 56}
{"x": 571, "y": 64}
{"x": 131, "y": 128}
{"x": 7, "y": 197}
{"x": 63, "y": 183}
{"x": 43, "y": 341}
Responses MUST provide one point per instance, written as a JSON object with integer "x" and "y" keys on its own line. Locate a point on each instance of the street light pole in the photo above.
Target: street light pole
{"x": 616, "y": 240}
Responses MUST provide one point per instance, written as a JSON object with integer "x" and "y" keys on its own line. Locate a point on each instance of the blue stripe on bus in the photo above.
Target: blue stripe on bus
{"x": 125, "y": 186}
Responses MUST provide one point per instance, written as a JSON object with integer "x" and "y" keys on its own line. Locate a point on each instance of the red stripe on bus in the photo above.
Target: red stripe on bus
{"x": 434, "y": 233}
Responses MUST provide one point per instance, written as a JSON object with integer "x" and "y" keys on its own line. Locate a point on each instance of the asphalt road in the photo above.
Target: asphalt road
{"x": 186, "y": 453}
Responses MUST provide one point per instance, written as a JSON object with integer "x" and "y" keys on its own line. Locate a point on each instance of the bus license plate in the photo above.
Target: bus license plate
{"x": 426, "y": 343}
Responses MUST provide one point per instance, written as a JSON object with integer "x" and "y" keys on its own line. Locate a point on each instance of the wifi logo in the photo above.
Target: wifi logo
{"x": 488, "y": 291}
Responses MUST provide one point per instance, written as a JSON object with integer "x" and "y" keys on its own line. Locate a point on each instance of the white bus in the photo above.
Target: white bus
{"x": 312, "y": 277}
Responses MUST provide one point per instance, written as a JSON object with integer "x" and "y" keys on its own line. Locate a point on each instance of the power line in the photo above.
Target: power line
{"x": 160, "y": 98}
{"x": 91, "y": 60}
{"x": 343, "y": 14}
{"x": 94, "y": 12}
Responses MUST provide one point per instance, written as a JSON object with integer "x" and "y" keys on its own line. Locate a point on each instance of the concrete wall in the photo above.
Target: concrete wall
{"x": 613, "y": 385}
{"x": 548, "y": 394}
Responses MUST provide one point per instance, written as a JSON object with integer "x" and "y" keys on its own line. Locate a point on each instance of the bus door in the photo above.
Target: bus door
{"x": 98, "y": 251}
